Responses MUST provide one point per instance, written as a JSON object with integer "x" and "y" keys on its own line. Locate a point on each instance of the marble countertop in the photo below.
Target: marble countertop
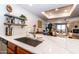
{"x": 50, "y": 44}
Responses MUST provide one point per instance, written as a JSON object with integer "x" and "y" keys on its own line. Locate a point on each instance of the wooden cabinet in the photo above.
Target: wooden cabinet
{"x": 22, "y": 51}
{"x": 11, "y": 48}
{"x": 14, "y": 49}
{"x": 9, "y": 51}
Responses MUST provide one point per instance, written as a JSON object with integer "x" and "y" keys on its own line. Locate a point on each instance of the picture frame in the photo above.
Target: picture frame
{"x": 39, "y": 24}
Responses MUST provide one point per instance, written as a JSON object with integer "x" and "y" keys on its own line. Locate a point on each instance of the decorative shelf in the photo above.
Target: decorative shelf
{"x": 15, "y": 24}
{"x": 11, "y": 20}
{"x": 9, "y": 24}
{"x": 13, "y": 16}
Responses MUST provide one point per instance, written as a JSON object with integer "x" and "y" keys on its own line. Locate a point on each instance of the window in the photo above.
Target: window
{"x": 61, "y": 27}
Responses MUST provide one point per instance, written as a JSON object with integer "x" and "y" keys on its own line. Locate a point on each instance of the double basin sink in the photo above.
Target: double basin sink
{"x": 29, "y": 41}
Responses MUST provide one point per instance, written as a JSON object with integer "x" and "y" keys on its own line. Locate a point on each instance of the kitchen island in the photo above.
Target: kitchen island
{"x": 49, "y": 45}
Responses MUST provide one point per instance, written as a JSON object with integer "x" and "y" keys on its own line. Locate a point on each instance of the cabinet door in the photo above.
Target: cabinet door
{"x": 22, "y": 51}
{"x": 9, "y": 51}
{"x": 11, "y": 46}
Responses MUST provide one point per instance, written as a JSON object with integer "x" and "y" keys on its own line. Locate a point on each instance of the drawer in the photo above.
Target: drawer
{"x": 11, "y": 46}
{"x": 22, "y": 51}
{"x": 9, "y": 51}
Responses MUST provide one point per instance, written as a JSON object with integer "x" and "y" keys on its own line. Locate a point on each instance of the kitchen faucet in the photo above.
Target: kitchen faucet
{"x": 33, "y": 33}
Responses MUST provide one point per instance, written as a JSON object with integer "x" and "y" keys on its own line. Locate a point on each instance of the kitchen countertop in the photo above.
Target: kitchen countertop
{"x": 50, "y": 44}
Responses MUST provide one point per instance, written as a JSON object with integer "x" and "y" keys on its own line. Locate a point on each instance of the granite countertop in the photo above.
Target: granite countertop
{"x": 50, "y": 44}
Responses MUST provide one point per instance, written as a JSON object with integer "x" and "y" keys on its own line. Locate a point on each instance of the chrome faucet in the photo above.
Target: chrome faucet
{"x": 33, "y": 33}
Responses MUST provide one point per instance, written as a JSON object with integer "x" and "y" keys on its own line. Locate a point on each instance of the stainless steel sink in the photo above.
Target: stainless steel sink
{"x": 29, "y": 41}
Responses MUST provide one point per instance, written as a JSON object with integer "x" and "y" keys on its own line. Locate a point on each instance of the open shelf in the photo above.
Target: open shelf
{"x": 15, "y": 24}
{"x": 9, "y": 24}
{"x": 13, "y": 16}
{"x": 11, "y": 20}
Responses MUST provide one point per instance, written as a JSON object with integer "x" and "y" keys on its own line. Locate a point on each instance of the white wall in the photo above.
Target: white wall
{"x": 17, "y": 11}
{"x": 2, "y": 18}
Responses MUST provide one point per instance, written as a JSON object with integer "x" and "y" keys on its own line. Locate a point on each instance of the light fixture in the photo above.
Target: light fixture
{"x": 42, "y": 12}
{"x": 56, "y": 9}
{"x": 65, "y": 10}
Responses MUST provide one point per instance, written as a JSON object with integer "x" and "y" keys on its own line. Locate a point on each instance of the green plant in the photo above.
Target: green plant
{"x": 50, "y": 27}
{"x": 23, "y": 17}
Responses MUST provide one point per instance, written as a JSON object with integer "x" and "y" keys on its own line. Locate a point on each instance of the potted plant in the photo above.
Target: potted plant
{"x": 23, "y": 18}
{"x": 50, "y": 28}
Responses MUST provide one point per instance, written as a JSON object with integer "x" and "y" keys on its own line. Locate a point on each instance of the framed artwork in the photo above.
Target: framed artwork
{"x": 39, "y": 24}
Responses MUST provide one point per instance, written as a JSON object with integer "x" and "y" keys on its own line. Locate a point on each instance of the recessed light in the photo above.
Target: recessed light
{"x": 56, "y": 9}
{"x": 42, "y": 12}
{"x": 65, "y": 10}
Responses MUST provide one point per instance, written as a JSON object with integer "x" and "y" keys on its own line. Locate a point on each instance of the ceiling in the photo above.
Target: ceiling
{"x": 38, "y": 8}
{"x": 59, "y": 12}
{"x": 76, "y": 11}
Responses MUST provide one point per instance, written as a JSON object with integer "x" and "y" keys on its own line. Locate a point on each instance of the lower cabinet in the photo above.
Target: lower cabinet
{"x": 22, "y": 51}
{"x": 9, "y": 51}
{"x": 14, "y": 49}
